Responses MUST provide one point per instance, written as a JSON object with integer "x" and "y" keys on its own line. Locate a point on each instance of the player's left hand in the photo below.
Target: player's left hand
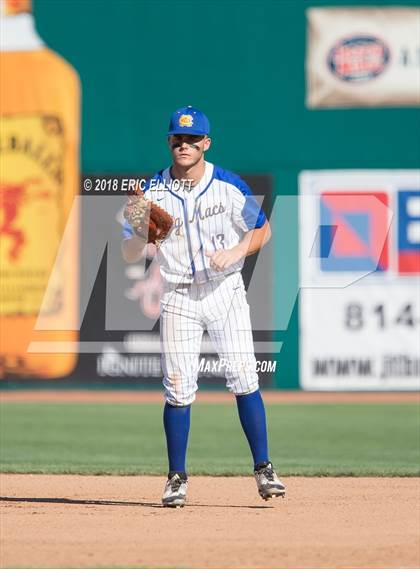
{"x": 224, "y": 258}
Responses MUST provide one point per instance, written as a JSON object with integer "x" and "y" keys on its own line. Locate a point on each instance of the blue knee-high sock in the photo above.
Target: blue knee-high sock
{"x": 176, "y": 421}
{"x": 252, "y": 415}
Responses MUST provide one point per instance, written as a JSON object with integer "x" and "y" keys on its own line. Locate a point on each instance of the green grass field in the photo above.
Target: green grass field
{"x": 305, "y": 439}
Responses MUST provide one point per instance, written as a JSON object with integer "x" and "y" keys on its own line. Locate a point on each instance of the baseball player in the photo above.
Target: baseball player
{"x": 217, "y": 222}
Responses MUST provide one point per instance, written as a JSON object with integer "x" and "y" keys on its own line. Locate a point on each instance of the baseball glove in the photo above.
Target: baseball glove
{"x": 147, "y": 219}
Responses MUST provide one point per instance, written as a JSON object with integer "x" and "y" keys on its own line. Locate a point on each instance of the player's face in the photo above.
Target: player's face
{"x": 188, "y": 149}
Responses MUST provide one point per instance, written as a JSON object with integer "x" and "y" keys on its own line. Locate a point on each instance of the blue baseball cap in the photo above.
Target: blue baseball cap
{"x": 189, "y": 120}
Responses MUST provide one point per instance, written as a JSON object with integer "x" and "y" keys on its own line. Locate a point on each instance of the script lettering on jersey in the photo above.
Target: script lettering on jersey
{"x": 178, "y": 223}
{"x": 198, "y": 213}
{"x": 208, "y": 212}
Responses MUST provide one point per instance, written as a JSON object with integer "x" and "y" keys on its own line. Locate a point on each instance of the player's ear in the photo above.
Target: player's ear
{"x": 207, "y": 143}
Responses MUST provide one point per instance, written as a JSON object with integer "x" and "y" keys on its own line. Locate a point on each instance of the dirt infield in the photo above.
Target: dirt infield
{"x": 112, "y": 521}
{"x": 108, "y": 396}
{"x": 87, "y": 521}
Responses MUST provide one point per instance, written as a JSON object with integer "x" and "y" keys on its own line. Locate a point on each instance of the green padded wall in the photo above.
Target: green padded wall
{"x": 243, "y": 63}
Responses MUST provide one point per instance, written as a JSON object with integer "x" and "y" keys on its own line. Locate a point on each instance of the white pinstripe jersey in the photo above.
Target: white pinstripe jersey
{"x": 212, "y": 215}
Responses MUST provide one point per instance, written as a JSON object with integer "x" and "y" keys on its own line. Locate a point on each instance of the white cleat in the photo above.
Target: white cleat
{"x": 175, "y": 493}
{"x": 268, "y": 483}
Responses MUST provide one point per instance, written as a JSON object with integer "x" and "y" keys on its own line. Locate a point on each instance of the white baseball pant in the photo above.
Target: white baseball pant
{"x": 220, "y": 307}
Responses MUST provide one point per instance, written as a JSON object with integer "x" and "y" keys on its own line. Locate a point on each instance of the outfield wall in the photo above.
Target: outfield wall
{"x": 244, "y": 64}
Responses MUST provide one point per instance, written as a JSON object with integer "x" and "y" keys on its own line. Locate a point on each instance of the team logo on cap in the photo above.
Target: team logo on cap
{"x": 185, "y": 120}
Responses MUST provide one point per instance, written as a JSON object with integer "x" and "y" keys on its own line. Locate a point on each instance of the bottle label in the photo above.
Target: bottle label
{"x": 31, "y": 212}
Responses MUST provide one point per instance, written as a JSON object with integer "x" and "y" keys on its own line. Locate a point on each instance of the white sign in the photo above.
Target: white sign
{"x": 359, "y": 276}
{"x": 363, "y": 57}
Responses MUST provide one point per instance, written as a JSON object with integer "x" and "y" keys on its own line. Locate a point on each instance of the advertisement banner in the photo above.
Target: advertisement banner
{"x": 39, "y": 181}
{"x": 363, "y": 57}
{"x": 359, "y": 277}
